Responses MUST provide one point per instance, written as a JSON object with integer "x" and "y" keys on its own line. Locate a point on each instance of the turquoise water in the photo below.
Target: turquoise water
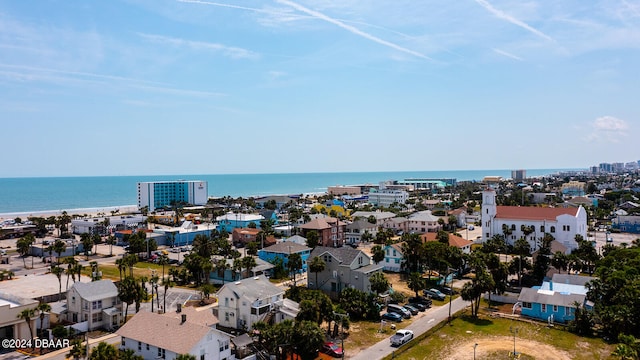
{"x": 66, "y": 193}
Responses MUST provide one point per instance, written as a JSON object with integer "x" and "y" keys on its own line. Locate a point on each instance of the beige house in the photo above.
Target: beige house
{"x": 11, "y": 327}
{"x": 95, "y": 303}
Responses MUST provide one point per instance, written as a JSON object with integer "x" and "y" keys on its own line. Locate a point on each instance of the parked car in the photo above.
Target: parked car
{"x": 412, "y": 310}
{"x": 331, "y": 349}
{"x": 420, "y": 307}
{"x": 421, "y": 300}
{"x": 391, "y": 316}
{"x": 173, "y": 261}
{"x": 401, "y": 337}
{"x": 435, "y": 294}
{"x": 446, "y": 290}
{"x": 175, "y": 250}
{"x": 399, "y": 310}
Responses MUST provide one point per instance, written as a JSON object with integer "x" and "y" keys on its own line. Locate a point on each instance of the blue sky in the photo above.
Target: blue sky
{"x": 149, "y": 87}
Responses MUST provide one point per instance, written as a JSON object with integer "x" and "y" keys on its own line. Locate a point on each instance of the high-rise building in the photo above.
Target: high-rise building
{"x": 518, "y": 175}
{"x": 160, "y": 194}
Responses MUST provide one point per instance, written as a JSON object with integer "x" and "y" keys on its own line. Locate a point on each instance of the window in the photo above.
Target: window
{"x": 541, "y": 228}
{"x": 553, "y": 229}
{"x": 555, "y": 308}
{"x": 526, "y": 305}
{"x": 567, "y": 311}
{"x": 161, "y": 353}
{"x": 147, "y": 346}
{"x": 122, "y": 341}
{"x": 226, "y": 316}
{"x": 513, "y": 226}
{"x": 139, "y": 346}
{"x": 544, "y": 308}
{"x": 568, "y": 228}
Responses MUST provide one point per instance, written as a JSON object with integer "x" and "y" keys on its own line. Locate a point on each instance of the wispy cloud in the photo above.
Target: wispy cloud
{"x": 353, "y": 29}
{"x": 608, "y": 128}
{"x": 509, "y": 55}
{"x": 502, "y": 15}
{"x": 232, "y": 52}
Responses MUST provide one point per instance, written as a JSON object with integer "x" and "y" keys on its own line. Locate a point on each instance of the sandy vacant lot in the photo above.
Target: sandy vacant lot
{"x": 489, "y": 348}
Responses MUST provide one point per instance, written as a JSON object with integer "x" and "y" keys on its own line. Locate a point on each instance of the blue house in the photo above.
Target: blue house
{"x": 629, "y": 223}
{"x": 232, "y": 220}
{"x": 283, "y": 250}
{"x": 555, "y": 300}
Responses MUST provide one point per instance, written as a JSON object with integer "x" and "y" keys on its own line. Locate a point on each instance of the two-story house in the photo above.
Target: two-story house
{"x": 243, "y": 303}
{"x": 344, "y": 267}
{"x": 330, "y": 230}
{"x": 242, "y": 236}
{"x": 233, "y": 220}
{"x": 454, "y": 240}
{"x": 393, "y": 258}
{"x": 95, "y": 303}
{"x": 422, "y": 222}
{"x": 283, "y": 250}
{"x": 359, "y": 227}
{"x": 165, "y": 336}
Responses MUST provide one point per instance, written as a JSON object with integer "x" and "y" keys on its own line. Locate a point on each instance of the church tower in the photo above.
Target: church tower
{"x": 489, "y": 211}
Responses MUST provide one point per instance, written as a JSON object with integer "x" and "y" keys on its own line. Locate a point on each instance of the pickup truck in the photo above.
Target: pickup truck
{"x": 401, "y": 337}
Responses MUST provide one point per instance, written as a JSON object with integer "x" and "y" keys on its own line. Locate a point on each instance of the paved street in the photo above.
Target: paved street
{"x": 434, "y": 316}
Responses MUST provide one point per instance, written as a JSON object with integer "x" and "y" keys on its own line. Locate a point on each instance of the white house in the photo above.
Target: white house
{"x": 386, "y": 197}
{"x": 562, "y": 223}
{"x": 356, "y": 229}
{"x": 245, "y": 302}
{"x": 95, "y": 303}
{"x": 165, "y": 336}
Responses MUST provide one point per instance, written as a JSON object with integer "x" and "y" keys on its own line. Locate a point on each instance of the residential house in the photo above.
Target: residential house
{"x": 399, "y": 225}
{"x": 228, "y": 274}
{"x": 345, "y": 267}
{"x": 393, "y": 258}
{"x": 296, "y": 239}
{"x": 629, "y": 223}
{"x": 531, "y": 223}
{"x": 423, "y": 222}
{"x": 330, "y": 230}
{"x": 454, "y": 240}
{"x": 95, "y": 303}
{"x": 232, "y": 220}
{"x": 461, "y": 216}
{"x": 380, "y": 216}
{"x": 283, "y": 250}
{"x": 386, "y": 197}
{"x": 243, "y": 303}
{"x": 356, "y": 229}
{"x": 165, "y": 336}
{"x": 555, "y": 300}
{"x": 241, "y": 237}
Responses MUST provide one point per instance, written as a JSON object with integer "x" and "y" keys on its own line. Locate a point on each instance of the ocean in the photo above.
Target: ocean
{"x": 42, "y": 194}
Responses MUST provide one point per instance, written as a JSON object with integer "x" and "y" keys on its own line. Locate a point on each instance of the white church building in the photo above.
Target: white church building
{"x": 561, "y": 223}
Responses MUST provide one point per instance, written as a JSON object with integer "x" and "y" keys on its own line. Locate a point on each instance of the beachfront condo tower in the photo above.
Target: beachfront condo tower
{"x": 161, "y": 194}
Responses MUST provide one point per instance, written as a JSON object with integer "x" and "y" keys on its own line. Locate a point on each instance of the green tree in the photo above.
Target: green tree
{"x": 104, "y": 351}
{"x": 127, "y": 292}
{"x": 248, "y": 262}
{"x": 377, "y": 253}
{"x": 317, "y": 265}
{"x": 87, "y": 244}
{"x": 24, "y": 245}
{"x": 42, "y": 309}
{"x": 313, "y": 238}
{"x": 221, "y": 267}
{"x": 58, "y": 271}
{"x": 416, "y": 282}
{"x": 560, "y": 261}
{"x": 128, "y": 354}
{"x": 294, "y": 264}
{"x": 379, "y": 282}
{"x": 413, "y": 251}
{"x": 27, "y": 315}
{"x": 59, "y": 247}
{"x": 309, "y": 338}
{"x": 185, "y": 357}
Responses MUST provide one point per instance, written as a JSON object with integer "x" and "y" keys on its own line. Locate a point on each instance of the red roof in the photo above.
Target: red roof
{"x": 454, "y": 240}
{"x": 532, "y": 213}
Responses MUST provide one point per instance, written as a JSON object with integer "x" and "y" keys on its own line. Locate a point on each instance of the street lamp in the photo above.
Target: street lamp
{"x": 451, "y": 294}
{"x": 515, "y": 332}
{"x": 341, "y": 316}
{"x": 474, "y": 350}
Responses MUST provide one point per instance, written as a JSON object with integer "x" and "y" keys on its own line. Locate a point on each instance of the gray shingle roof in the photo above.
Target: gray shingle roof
{"x": 96, "y": 290}
{"x": 571, "y": 279}
{"x": 550, "y": 297}
{"x": 253, "y": 288}
{"x": 346, "y": 255}
{"x": 286, "y": 248}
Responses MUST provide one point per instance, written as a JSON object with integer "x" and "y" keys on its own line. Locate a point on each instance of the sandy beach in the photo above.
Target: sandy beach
{"x": 88, "y": 211}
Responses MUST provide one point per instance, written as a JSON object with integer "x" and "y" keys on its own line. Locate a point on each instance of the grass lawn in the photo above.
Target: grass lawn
{"x": 445, "y": 340}
{"x": 141, "y": 268}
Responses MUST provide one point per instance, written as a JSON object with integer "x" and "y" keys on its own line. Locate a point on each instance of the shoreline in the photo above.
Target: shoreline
{"x": 92, "y": 211}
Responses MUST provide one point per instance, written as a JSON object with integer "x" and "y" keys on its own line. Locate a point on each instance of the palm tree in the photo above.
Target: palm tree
{"x": 59, "y": 247}
{"x": 27, "y": 315}
{"x": 104, "y": 351}
{"x": 70, "y": 271}
{"x": 110, "y": 241}
{"x": 24, "y": 245}
{"x": 248, "y": 262}
{"x": 221, "y": 268}
{"x": 416, "y": 282}
{"x": 294, "y": 264}
{"x": 58, "y": 271}
{"x": 378, "y": 253}
{"x": 120, "y": 263}
{"x": 127, "y": 291}
{"x": 315, "y": 266}
{"x": 185, "y": 357}
{"x": 42, "y": 308}
{"x": 167, "y": 284}
{"x": 128, "y": 354}
{"x": 163, "y": 260}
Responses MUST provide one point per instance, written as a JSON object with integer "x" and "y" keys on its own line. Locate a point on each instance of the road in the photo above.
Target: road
{"x": 420, "y": 326}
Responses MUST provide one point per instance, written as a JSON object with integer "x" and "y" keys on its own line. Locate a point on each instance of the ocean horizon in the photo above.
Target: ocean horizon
{"x": 57, "y": 194}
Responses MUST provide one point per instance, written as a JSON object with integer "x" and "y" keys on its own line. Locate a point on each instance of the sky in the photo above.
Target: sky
{"x": 151, "y": 87}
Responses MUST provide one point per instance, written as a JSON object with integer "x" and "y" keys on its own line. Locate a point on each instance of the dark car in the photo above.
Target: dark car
{"x": 420, "y": 307}
{"x": 446, "y": 290}
{"x": 391, "y": 316}
{"x": 434, "y": 294}
{"x": 421, "y": 300}
{"x": 413, "y": 310}
{"x": 331, "y": 349}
